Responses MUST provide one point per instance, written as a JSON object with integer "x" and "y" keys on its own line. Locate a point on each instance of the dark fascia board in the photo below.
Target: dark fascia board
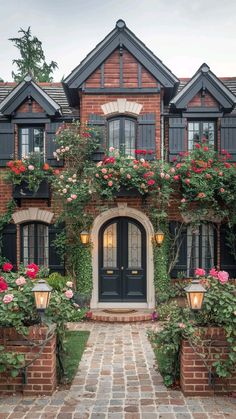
{"x": 204, "y": 78}
{"x": 103, "y": 50}
{"x": 201, "y": 115}
{"x": 21, "y": 92}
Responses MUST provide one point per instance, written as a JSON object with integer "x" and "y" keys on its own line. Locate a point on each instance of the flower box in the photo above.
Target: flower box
{"x": 22, "y": 191}
{"x": 124, "y": 192}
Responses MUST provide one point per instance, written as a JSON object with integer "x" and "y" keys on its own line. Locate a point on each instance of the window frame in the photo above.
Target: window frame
{"x": 199, "y": 244}
{"x": 35, "y": 243}
{"x": 201, "y": 122}
{"x": 31, "y": 128}
{"x": 122, "y": 119}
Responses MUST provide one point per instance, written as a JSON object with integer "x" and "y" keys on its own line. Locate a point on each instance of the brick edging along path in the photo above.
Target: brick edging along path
{"x": 117, "y": 379}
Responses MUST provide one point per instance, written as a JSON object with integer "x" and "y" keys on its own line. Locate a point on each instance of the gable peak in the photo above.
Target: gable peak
{"x": 120, "y": 24}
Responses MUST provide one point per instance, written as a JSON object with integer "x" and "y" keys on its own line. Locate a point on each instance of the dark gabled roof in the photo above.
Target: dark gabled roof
{"x": 204, "y": 79}
{"x": 121, "y": 35}
{"x": 52, "y": 92}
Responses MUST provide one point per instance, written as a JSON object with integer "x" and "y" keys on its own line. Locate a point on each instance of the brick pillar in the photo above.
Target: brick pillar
{"x": 194, "y": 373}
{"x": 41, "y": 374}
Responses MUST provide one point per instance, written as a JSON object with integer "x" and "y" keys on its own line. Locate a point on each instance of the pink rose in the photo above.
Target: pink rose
{"x": 182, "y": 325}
{"x": 20, "y": 281}
{"x": 69, "y": 199}
{"x": 97, "y": 175}
{"x": 167, "y": 176}
{"x": 176, "y": 177}
{"x": 128, "y": 176}
{"x": 104, "y": 170}
{"x": 223, "y": 276}
{"x": 73, "y": 196}
{"x": 110, "y": 183}
{"x": 111, "y": 149}
{"x": 105, "y": 176}
{"x": 200, "y": 272}
{"x": 8, "y": 298}
{"x": 68, "y": 294}
{"x": 183, "y": 200}
{"x": 222, "y": 190}
{"x": 172, "y": 170}
{"x": 214, "y": 273}
{"x": 187, "y": 181}
{"x": 31, "y": 167}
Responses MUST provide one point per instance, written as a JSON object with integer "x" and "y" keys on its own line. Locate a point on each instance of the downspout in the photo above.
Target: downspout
{"x": 162, "y": 128}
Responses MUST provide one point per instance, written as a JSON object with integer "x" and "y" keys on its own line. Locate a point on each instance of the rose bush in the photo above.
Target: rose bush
{"x": 206, "y": 179}
{"x": 218, "y": 310}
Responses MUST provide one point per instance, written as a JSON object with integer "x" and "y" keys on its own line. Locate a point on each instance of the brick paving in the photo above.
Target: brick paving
{"x": 117, "y": 379}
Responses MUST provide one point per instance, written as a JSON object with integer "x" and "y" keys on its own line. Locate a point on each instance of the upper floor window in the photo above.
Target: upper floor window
{"x": 34, "y": 244}
{"x": 122, "y": 135}
{"x": 31, "y": 139}
{"x": 199, "y": 130}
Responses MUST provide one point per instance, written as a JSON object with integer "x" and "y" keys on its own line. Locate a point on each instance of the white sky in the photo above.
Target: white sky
{"x": 182, "y": 33}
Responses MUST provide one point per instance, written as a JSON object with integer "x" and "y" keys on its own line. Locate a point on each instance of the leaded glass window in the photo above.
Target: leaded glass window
{"x": 110, "y": 246}
{"x": 200, "y": 130}
{"x": 134, "y": 246}
{"x": 122, "y": 135}
{"x": 31, "y": 139}
{"x": 35, "y": 247}
{"x": 200, "y": 248}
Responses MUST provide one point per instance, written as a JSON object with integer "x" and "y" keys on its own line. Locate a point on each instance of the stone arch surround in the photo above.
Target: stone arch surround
{"x": 32, "y": 214}
{"x": 122, "y": 210}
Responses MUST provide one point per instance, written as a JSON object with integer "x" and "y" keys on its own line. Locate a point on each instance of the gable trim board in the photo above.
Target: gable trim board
{"x": 204, "y": 79}
{"x": 121, "y": 36}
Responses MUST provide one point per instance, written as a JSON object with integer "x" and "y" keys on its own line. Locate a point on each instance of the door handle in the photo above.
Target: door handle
{"x": 134, "y": 272}
{"x": 122, "y": 268}
{"x": 110, "y": 272}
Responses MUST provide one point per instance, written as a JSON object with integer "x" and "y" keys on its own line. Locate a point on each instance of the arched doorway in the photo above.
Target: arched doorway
{"x": 123, "y": 210}
{"x": 122, "y": 261}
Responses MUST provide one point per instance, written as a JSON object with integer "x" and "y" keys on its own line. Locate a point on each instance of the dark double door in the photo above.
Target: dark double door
{"x": 122, "y": 261}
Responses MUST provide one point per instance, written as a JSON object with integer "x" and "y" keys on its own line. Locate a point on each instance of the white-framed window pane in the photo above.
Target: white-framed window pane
{"x": 110, "y": 246}
{"x": 129, "y": 137}
{"x": 114, "y": 134}
{"x": 25, "y": 146}
{"x": 42, "y": 242}
{"x": 35, "y": 244}
{"x": 200, "y": 248}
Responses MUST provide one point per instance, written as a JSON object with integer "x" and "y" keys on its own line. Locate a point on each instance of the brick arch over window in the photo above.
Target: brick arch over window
{"x": 121, "y": 106}
{"x": 32, "y": 214}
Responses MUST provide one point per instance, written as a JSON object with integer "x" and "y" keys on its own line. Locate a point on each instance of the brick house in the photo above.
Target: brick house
{"x": 135, "y": 102}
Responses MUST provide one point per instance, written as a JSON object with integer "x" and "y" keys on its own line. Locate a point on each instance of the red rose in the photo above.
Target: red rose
{"x": 3, "y": 284}
{"x": 56, "y": 172}
{"x": 150, "y": 151}
{"x": 227, "y": 165}
{"x": 7, "y": 267}
{"x": 176, "y": 177}
{"x": 150, "y": 182}
{"x": 187, "y": 181}
{"x": 46, "y": 166}
{"x": 205, "y": 148}
{"x": 32, "y": 270}
{"x": 197, "y": 145}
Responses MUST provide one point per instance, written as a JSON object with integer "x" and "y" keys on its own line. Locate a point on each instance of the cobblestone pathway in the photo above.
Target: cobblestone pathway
{"x": 116, "y": 380}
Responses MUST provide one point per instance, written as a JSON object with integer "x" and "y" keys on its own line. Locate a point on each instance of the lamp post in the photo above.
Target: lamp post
{"x": 84, "y": 237}
{"x": 159, "y": 237}
{"x": 195, "y": 295}
{"x": 42, "y": 294}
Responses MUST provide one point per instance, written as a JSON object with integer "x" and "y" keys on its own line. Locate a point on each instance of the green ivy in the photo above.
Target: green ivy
{"x": 81, "y": 260}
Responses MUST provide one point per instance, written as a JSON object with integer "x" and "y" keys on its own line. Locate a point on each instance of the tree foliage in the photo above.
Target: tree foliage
{"x": 32, "y": 59}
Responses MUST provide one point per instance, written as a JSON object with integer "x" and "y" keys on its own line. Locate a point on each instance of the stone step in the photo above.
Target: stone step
{"x": 124, "y": 316}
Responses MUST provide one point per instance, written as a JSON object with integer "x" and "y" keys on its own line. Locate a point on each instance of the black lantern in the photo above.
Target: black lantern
{"x": 159, "y": 237}
{"x": 84, "y": 237}
{"x": 195, "y": 295}
{"x": 42, "y": 293}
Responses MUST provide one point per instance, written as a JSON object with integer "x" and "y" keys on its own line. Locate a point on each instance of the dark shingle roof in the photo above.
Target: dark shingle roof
{"x": 54, "y": 90}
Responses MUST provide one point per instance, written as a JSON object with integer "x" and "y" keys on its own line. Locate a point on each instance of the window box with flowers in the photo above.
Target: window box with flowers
{"x": 30, "y": 177}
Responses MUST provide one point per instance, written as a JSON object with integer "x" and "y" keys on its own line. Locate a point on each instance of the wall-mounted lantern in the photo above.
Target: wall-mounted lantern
{"x": 84, "y": 237}
{"x": 159, "y": 237}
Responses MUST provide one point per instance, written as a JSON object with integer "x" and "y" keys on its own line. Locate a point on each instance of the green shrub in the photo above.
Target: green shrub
{"x": 57, "y": 281}
{"x": 168, "y": 310}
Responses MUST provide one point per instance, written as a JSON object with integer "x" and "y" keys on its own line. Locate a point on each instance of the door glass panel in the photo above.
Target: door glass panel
{"x": 110, "y": 246}
{"x": 42, "y": 242}
{"x": 38, "y": 140}
{"x": 24, "y": 135}
{"x": 134, "y": 246}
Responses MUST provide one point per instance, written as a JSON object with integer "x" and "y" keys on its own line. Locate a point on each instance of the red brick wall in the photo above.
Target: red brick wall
{"x": 34, "y": 107}
{"x": 193, "y": 372}
{"x": 41, "y": 374}
{"x": 112, "y": 73}
{"x": 199, "y": 100}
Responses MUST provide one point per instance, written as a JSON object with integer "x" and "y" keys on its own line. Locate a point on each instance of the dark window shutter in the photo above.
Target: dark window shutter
{"x": 6, "y": 142}
{"x": 8, "y": 246}
{"x": 228, "y": 136}
{"x": 227, "y": 260}
{"x": 176, "y": 137}
{"x": 55, "y": 262}
{"x": 98, "y": 123}
{"x": 146, "y": 139}
{"x": 181, "y": 263}
{"x": 51, "y": 144}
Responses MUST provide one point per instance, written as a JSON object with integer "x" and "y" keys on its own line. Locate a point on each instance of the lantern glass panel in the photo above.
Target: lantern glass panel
{"x": 42, "y": 299}
{"x": 195, "y": 300}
